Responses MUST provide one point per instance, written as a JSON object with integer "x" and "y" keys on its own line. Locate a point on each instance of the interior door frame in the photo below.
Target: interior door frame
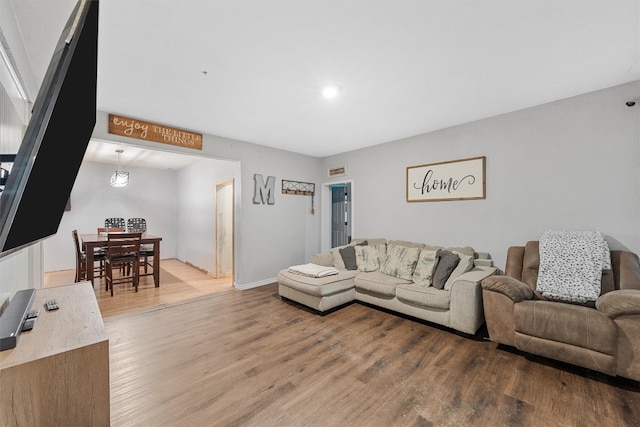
{"x": 325, "y": 212}
{"x": 227, "y": 182}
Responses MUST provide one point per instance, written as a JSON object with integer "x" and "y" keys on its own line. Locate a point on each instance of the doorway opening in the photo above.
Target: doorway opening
{"x": 340, "y": 214}
{"x": 224, "y": 229}
{"x": 337, "y": 214}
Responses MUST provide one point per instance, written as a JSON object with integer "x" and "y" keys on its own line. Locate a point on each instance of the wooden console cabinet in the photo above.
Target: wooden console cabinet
{"x": 58, "y": 374}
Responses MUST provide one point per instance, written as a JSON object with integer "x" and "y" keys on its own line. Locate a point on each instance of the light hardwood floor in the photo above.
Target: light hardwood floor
{"x": 178, "y": 281}
{"x": 248, "y": 358}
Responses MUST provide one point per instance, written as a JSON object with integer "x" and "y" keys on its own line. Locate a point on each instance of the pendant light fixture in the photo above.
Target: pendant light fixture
{"x": 119, "y": 178}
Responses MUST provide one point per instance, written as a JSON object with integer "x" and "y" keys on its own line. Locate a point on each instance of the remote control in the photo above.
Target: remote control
{"x": 28, "y": 325}
{"x": 52, "y": 305}
{"x": 33, "y": 313}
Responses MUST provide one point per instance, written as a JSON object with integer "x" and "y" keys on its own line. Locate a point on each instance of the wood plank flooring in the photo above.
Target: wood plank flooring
{"x": 178, "y": 281}
{"x": 248, "y": 358}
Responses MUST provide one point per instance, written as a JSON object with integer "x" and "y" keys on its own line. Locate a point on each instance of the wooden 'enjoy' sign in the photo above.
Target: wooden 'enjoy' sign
{"x": 134, "y": 128}
{"x": 453, "y": 180}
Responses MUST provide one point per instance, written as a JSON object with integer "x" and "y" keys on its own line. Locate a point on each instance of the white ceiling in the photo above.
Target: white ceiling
{"x": 404, "y": 67}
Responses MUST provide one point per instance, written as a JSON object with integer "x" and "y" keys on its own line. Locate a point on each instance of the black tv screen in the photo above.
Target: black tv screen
{"x": 39, "y": 183}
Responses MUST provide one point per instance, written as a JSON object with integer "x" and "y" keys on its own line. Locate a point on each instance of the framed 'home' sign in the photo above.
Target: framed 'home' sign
{"x": 453, "y": 180}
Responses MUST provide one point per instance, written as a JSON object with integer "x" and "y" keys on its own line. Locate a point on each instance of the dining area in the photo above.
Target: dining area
{"x": 119, "y": 251}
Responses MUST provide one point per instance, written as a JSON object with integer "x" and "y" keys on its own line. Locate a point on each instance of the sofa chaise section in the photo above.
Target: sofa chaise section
{"x": 319, "y": 293}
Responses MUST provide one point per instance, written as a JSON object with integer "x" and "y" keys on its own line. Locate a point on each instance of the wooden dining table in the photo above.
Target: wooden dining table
{"x": 92, "y": 241}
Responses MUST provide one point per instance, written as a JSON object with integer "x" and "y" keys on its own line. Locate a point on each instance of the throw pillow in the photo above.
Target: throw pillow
{"x": 423, "y": 274}
{"x": 447, "y": 262}
{"x": 348, "y": 254}
{"x": 365, "y": 258}
{"x": 466, "y": 250}
{"x": 465, "y": 264}
{"x": 401, "y": 261}
{"x": 368, "y": 257}
{"x": 382, "y": 252}
{"x": 338, "y": 262}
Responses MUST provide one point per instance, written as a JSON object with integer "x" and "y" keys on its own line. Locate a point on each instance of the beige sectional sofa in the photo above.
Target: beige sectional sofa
{"x": 411, "y": 278}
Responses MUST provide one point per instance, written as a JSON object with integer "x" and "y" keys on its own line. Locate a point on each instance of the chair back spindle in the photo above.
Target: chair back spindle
{"x": 137, "y": 225}
{"x": 115, "y": 222}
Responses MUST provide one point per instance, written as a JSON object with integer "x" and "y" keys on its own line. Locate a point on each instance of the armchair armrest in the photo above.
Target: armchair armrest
{"x": 619, "y": 303}
{"x": 514, "y": 289}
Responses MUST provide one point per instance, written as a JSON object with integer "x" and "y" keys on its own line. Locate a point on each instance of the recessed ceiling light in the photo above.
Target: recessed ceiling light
{"x": 330, "y": 91}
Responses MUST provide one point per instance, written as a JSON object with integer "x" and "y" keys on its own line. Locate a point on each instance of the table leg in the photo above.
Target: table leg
{"x": 156, "y": 264}
{"x": 89, "y": 267}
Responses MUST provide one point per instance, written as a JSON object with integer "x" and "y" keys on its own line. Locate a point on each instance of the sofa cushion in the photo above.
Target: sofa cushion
{"x": 465, "y": 264}
{"x": 348, "y": 254}
{"x": 400, "y": 262}
{"x": 447, "y": 262}
{"x": 425, "y": 296}
{"x": 369, "y": 258}
{"x": 425, "y": 266}
{"x": 378, "y": 283}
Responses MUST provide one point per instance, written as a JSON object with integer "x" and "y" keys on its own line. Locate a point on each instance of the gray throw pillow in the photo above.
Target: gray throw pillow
{"x": 348, "y": 254}
{"x": 447, "y": 262}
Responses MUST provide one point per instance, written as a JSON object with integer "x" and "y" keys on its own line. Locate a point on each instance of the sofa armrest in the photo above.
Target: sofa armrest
{"x": 514, "y": 289}
{"x": 324, "y": 259}
{"x": 619, "y": 303}
{"x": 465, "y": 302}
{"x": 475, "y": 275}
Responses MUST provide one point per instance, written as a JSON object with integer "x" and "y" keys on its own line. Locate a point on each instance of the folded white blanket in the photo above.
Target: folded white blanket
{"x": 571, "y": 264}
{"x": 313, "y": 270}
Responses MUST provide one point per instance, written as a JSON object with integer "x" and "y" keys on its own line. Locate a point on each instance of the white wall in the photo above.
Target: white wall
{"x": 196, "y": 216}
{"x": 571, "y": 164}
{"x": 151, "y": 194}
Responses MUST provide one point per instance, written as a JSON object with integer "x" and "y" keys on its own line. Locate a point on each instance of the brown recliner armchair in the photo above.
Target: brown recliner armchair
{"x": 604, "y": 336}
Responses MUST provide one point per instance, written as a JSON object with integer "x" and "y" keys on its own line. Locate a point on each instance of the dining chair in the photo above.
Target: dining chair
{"x": 123, "y": 257}
{"x": 105, "y": 230}
{"x": 139, "y": 225}
{"x": 99, "y": 255}
{"x": 115, "y": 222}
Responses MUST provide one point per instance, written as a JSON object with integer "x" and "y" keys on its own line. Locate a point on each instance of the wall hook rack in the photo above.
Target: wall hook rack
{"x": 301, "y": 189}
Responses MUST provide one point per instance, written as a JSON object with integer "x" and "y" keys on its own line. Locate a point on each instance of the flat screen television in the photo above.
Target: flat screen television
{"x": 63, "y": 117}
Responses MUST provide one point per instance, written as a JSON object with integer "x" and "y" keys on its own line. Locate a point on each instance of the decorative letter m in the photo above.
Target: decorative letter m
{"x": 264, "y": 193}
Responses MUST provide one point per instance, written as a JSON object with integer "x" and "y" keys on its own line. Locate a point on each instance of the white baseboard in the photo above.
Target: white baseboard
{"x": 257, "y": 284}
